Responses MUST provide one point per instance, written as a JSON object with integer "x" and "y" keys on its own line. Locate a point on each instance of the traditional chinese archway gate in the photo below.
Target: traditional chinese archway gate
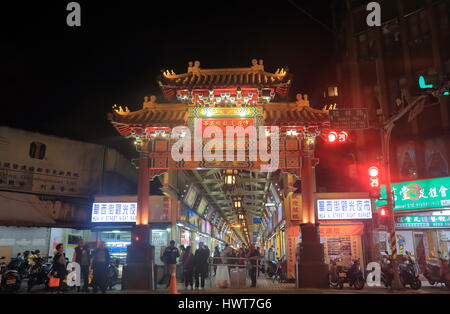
{"x": 221, "y": 98}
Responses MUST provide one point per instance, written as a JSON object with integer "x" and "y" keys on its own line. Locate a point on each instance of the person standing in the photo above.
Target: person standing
{"x": 59, "y": 266}
{"x": 100, "y": 262}
{"x": 170, "y": 255}
{"x": 82, "y": 257}
{"x": 253, "y": 255}
{"x": 201, "y": 266}
{"x": 216, "y": 259}
{"x": 188, "y": 268}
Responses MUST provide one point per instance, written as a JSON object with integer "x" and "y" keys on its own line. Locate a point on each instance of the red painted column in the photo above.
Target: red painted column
{"x": 313, "y": 272}
{"x": 141, "y": 231}
{"x": 139, "y": 269}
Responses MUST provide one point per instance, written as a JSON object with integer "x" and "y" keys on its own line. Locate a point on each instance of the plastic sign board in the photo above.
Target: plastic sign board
{"x": 257, "y": 221}
{"x": 421, "y": 222}
{"x": 344, "y": 209}
{"x": 349, "y": 119}
{"x": 114, "y": 212}
{"x": 420, "y": 194}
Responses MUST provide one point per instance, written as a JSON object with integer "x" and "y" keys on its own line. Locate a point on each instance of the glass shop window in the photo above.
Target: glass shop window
{"x": 37, "y": 150}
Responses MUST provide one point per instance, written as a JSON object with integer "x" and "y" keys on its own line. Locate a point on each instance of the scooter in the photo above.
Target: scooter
{"x": 409, "y": 272}
{"x": 9, "y": 278}
{"x": 436, "y": 274}
{"x": 353, "y": 276}
{"x": 38, "y": 274}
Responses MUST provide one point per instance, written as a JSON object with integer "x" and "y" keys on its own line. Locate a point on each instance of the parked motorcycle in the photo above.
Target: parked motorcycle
{"x": 113, "y": 275}
{"x": 38, "y": 274}
{"x": 408, "y": 272}
{"x": 340, "y": 275}
{"x": 436, "y": 274}
{"x": 9, "y": 278}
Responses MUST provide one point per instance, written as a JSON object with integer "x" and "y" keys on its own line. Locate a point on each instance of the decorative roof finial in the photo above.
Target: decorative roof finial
{"x": 195, "y": 69}
{"x": 257, "y": 67}
{"x": 149, "y": 102}
{"x": 302, "y": 100}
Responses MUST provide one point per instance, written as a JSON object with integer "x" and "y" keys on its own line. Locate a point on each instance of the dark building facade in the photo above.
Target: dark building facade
{"x": 380, "y": 68}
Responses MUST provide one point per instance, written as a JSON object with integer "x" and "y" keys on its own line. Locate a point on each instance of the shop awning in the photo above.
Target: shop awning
{"x": 341, "y": 230}
{"x": 19, "y": 209}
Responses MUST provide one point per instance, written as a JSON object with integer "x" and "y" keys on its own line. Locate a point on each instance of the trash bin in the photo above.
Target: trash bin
{"x": 238, "y": 278}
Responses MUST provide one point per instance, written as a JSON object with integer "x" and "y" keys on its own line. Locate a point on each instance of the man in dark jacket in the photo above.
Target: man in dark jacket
{"x": 170, "y": 256}
{"x": 82, "y": 256}
{"x": 100, "y": 263}
{"x": 201, "y": 265}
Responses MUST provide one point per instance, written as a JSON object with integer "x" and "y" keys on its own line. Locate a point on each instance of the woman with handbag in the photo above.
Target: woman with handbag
{"x": 59, "y": 271}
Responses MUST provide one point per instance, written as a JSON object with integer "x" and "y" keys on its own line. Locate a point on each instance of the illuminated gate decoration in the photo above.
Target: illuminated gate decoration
{"x": 221, "y": 98}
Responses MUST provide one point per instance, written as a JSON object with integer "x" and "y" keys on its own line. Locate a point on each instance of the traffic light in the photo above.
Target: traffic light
{"x": 332, "y": 137}
{"x": 374, "y": 182}
{"x": 337, "y": 137}
{"x": 381, "y": 217}
{"x": 342, "y": 137}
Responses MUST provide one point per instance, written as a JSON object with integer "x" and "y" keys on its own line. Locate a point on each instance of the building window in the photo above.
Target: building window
{"x": 408, "y": 170}
{"x": 443, "y": 12}
{"x": 367, "y": 45}
{"x": 438, "y": 166}
{"x": 391, "y": 34}
{"x": 37, "y": 150}
{"x": 333, "y": 91}
{"x": 418, "y": 25}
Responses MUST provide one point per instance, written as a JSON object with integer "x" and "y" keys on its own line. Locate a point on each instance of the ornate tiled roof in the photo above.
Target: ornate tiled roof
{"x": 294, "y": 114}
{"x": 151, "y": 115}
{"x": 198, "y": 78}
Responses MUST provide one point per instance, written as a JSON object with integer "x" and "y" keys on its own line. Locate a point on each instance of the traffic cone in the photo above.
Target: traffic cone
{"x": 173, "y": 289}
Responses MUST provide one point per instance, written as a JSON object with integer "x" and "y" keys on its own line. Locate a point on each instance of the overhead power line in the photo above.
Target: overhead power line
{"x": 310, "y": 16}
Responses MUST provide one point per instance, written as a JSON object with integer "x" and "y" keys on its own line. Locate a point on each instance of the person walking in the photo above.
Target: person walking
{"x": 201, "y": 266}
{"x": 253, "y": 255}
{"x": 170, "y": 255}
{"x": 216, "y": 259}
{"x": 82, "y": 257}
{"x": 59, "y": 266}
{"x": 241, "y": 254}
{"x": 100, "y": 261}
{"x": 188, "y": 268}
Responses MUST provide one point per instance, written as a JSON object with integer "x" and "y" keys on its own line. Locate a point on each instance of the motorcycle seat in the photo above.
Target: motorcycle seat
{"x": 433, "y": 266}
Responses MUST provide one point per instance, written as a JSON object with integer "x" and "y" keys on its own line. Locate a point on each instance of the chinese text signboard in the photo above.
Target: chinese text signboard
{"x": 296, "y": 207}
{"x": 291, "y": 248}
{"x": 344, "y": 209}
{"x": 414, "y": 222}
{"x": 349, "y": 119}
{"x": 114, "y": 212}
{"x": 421, "y": 194}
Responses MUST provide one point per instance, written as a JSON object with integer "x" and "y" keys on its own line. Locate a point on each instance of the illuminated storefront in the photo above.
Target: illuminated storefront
{"x": 344, "y": 219}
{"x": 113, "y": 218}
{"x": 422, "y": 214}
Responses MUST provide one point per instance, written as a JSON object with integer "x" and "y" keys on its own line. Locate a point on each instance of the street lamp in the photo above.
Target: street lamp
{"x": 229, "y": 177}
{"x": 237, "y": 203}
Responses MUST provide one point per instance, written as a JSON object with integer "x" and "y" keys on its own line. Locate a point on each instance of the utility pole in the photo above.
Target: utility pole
{"x": 386, "y": 132}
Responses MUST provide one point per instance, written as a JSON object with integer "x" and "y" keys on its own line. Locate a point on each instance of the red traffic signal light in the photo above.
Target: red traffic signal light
{"x": 383, "y": 212}
{"x": 343, "y": 137}
{"x": 334, "y": 136}
{"x": 374, "y": 177}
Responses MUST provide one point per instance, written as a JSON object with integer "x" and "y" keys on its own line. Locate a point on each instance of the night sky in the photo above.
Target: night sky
{"x": 63, "y": 81}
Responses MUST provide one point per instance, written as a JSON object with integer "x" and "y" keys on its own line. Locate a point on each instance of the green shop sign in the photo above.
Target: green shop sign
{"x": 414, "y": 222}
{"x": 420, "y": 194}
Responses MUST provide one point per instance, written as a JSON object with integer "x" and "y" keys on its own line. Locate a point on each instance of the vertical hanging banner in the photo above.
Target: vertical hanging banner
{"x": 291, "y": 249}
{"x": 296, "y": 207}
